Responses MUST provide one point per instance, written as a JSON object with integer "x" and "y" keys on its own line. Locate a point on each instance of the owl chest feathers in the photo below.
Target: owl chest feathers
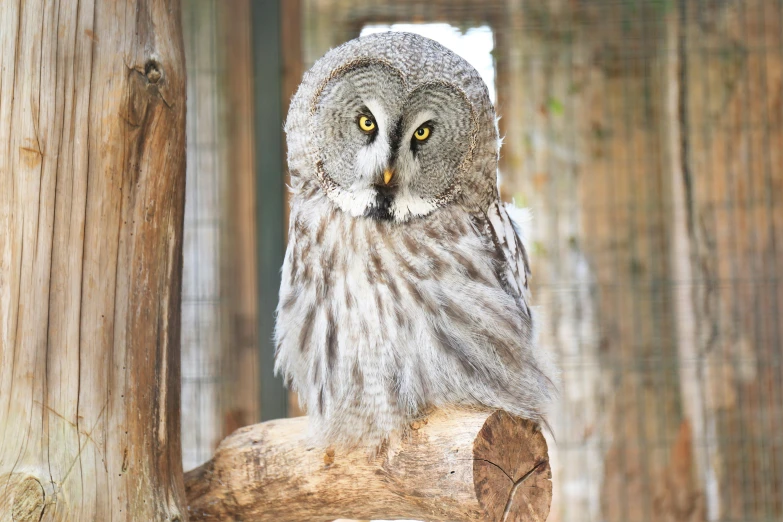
{"x": 378, "y": 320}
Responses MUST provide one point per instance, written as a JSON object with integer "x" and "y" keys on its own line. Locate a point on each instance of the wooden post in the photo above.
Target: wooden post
{"x": 466, "y": 465}
{"x": 92, "y": 137}
{"x": 240, "y": 350}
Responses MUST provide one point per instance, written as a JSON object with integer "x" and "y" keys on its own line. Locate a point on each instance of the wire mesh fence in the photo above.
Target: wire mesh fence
{"x": 203, "y": 296}
{"x": 219, "y": 340}
{"x": 646, "y": 136}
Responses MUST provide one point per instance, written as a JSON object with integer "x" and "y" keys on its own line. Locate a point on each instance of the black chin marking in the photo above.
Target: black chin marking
{"x": 381, "y": 210}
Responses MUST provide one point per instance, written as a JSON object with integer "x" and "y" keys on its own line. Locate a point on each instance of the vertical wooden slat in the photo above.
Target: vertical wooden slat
{"x": 241, "y": 355}
{"x": 733, "y": 120}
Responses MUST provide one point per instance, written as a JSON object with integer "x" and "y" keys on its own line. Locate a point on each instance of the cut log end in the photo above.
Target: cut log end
{"x": 511, "y": 470}
{"x": 270, "y": 471}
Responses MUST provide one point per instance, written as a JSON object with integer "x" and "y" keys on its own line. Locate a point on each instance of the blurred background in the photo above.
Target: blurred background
{"x": 646, "y": 136}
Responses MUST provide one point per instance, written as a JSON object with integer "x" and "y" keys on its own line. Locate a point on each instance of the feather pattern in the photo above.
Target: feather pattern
{"x": 406, "y": 292}
{"x": 378, "y": 321}
{"x": 505, "y": 232}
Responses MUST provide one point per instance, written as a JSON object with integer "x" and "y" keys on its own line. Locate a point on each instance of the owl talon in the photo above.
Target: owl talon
{"x": 329, "y": 457}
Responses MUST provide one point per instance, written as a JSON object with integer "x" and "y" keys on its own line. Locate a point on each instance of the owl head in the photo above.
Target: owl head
{"x": 393, "y": 126}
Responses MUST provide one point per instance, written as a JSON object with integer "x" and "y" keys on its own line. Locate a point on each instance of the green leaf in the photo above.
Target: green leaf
{"x": 555, "y": 106}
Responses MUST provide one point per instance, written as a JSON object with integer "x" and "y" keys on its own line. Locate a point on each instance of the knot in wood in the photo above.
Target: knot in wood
{"x": 29, "y": 501}
{"x": 153, "y": 71}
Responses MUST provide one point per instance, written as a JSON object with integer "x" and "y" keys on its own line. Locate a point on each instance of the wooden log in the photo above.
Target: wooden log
{"x": 92, "y": 178}
{"x": 465, "y": 465}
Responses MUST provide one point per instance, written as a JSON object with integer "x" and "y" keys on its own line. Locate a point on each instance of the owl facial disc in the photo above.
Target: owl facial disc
{"x": 390, "y": 149}
{"x": 393, "y": 127}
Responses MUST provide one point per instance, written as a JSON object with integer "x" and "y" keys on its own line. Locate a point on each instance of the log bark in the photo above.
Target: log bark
{"x": 464, "y": 465}
{"x": 92, "y": 137}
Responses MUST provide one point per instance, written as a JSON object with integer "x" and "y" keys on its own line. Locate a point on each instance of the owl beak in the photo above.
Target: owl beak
{"x": 388, "y": 174}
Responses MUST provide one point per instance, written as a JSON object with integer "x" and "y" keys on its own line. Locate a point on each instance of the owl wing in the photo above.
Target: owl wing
{"x": 506, "y": 234}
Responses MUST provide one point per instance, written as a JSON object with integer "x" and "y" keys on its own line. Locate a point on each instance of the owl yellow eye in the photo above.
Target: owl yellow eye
{"x": 422, "y": 133}
{"x": 366, "y": 124}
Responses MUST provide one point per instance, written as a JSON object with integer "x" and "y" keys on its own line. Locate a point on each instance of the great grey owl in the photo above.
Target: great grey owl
{"x": 405, "y": 281}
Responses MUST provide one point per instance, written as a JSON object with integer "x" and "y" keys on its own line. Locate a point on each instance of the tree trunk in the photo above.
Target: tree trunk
{"x": 92, "y": 138}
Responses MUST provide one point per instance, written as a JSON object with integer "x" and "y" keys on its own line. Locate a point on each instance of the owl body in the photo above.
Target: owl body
{"x": 405, "y": 281}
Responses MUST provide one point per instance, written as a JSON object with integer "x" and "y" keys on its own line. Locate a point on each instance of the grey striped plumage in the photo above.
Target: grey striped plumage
{"x": 401, "y": 295}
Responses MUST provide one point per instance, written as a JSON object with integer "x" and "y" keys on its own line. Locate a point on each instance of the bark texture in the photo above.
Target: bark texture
{"x": 453, "y": 466}
{"x": 92, "y": 137}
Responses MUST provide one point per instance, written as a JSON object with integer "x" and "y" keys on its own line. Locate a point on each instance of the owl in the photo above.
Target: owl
{"x": 405, "y": 284}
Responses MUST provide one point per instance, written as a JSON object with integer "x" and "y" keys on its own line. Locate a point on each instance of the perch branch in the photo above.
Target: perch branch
{"x": 464, "y": 465}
